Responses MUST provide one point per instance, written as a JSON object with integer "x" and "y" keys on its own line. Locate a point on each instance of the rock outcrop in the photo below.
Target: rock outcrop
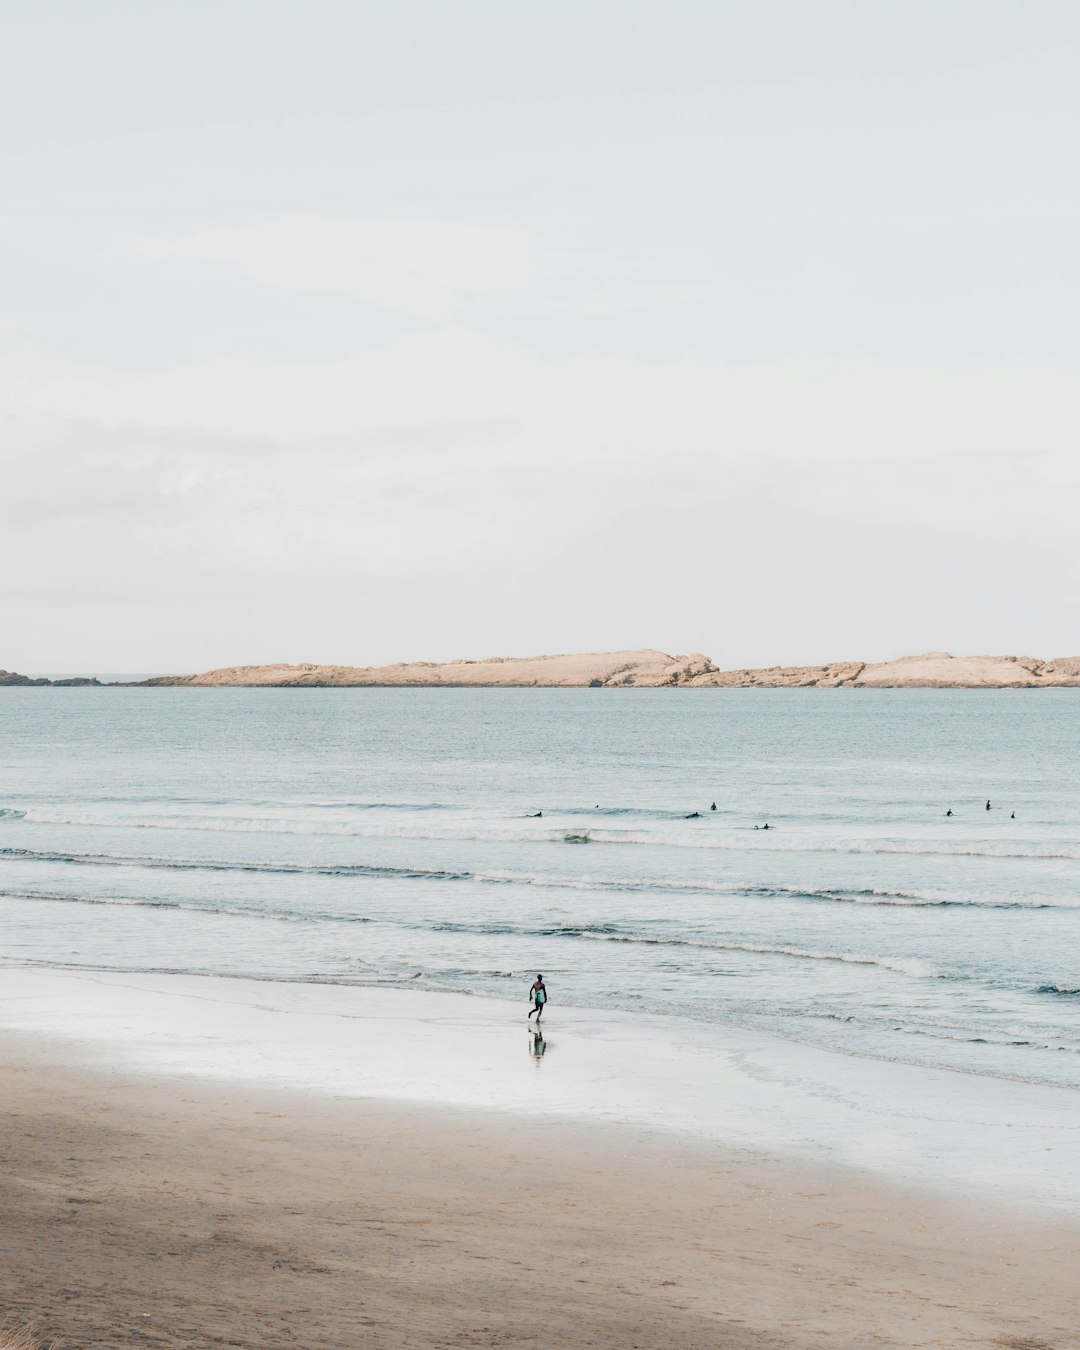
{"x": 939, "y": 670}
{"x": 782, "y": 677}
{"x": 606, "y": 670}
{"x": 932, "y": 670}
{"x": 9, "y": 677}
{"x": 633, "y": 670}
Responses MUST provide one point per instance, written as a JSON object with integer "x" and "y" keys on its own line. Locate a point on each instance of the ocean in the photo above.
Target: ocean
{"x": 394, "y": 837}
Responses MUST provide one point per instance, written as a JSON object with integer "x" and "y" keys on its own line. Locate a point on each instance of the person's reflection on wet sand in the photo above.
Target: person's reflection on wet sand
{"x": 537, "y": 1044}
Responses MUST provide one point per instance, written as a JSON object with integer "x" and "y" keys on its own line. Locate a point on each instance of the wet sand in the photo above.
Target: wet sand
{"x": 137, "y": 1211}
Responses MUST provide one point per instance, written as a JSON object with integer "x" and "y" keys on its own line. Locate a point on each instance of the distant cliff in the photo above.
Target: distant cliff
{"x": 933, "y": 670}
{"x": 630, "y": 670}
{"x": 607, "y": 670}
{"x": 652, "y": 670}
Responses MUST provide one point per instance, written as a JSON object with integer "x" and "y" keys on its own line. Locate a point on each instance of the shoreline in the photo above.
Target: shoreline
{"x": 935, "y": 1131}
{"x": 178, "y": 1211}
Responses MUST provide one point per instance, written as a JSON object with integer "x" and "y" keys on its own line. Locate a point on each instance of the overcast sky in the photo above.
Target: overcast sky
{"x": 359, "y": 332}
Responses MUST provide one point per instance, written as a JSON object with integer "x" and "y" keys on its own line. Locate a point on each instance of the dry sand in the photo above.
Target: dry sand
{"x": 137, "y": 1212}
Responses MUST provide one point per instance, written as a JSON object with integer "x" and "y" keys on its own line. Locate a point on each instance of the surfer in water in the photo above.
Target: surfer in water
{"x": 534, "y": 815}
{"x": 538, "y": 995}
{"x": 694, "y": 815}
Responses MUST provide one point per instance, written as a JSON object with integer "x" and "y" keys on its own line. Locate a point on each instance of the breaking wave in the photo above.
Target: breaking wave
{"x": 516, "y": 830}
{"x": 913, "y": 967}
{"x": 552, "y": 881}
{"x": 277, "y": 914}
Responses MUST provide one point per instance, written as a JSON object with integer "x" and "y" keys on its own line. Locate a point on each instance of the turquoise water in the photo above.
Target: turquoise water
{"x": 389, "y": 837}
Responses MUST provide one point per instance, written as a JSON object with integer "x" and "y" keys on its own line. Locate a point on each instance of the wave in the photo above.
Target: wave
{"x": 1063, "y": 991}
{"x": 588, "y": 932}
{"x": 157, "y": 861}
{"x": 921, "y": 970}
{"x": 517, "y": 831}
{"x": 606, "y": 932}
{"x": 802, "y": 844}
{"x": 640, "y": 812}
{"x": 932, "y": 899}
{"x": 314, "y": 805}
{"x": 367, "y": 979}
{"x": 549, "y": 881}
{"x": 276, "y": 914}
{"x": 345, "y": 804}
{"x": 10, "y": 813}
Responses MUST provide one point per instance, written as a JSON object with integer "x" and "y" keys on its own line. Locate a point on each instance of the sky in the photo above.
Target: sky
{"x": 355, "y": 332}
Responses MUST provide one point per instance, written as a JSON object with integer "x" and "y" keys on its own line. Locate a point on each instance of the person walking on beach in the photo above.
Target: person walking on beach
{"x": 538, "y": 994}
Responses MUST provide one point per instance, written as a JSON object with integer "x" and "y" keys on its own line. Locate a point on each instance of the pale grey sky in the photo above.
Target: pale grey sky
{"x": 356, "y": 332}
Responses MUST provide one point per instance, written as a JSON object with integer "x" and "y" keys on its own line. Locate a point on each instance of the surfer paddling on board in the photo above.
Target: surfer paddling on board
{"x": 538, "y": 994}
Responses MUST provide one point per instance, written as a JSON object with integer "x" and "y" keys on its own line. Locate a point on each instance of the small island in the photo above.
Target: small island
{"x": 645, "y": 669}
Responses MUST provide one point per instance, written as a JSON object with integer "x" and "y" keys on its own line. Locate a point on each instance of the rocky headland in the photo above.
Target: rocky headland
{"x": 632, "y": 670}
{"x": 931, "y": 670}
{"x": 607, "y": 670}
{"x": 625, "y": 670}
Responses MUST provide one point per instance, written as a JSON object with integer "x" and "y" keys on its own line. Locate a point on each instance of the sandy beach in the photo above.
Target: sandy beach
{"x": 184, "y": 1209}
{"x": 142, "y": 1212}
